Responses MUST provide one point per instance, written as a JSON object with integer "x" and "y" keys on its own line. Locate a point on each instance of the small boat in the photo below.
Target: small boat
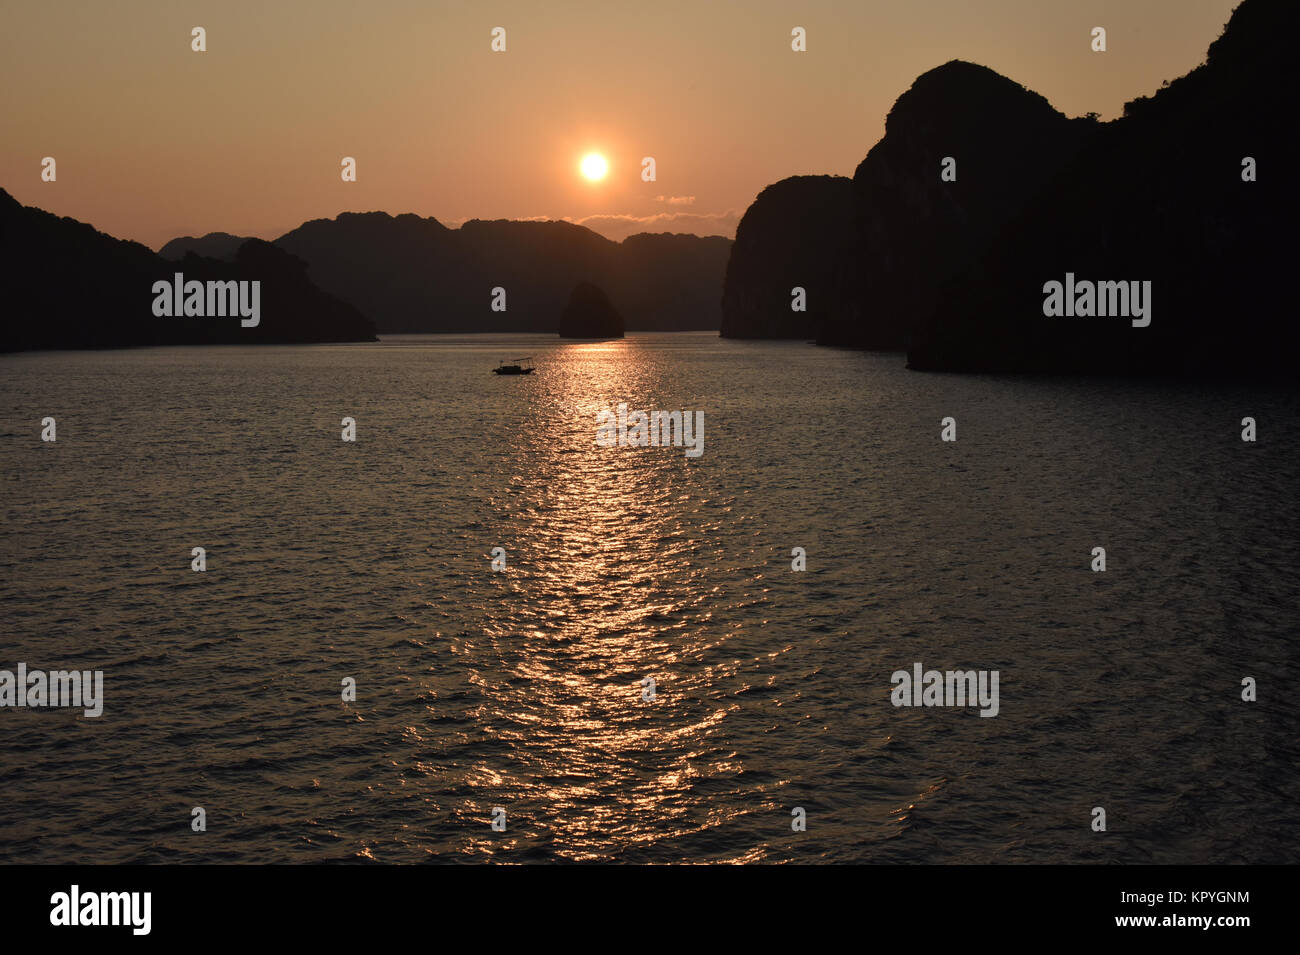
{"x": 521, "y": 366}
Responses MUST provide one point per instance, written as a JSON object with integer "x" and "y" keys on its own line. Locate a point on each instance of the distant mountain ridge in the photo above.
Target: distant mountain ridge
{"x": 413, "y": 274}
{"x": 68, "y": 285}
{"x": 214, "y": 245}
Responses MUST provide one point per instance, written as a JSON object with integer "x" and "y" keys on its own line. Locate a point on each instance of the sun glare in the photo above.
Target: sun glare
{"x": 594, "y": 166}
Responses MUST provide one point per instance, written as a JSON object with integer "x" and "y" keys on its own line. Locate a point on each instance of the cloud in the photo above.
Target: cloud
{"x": 676, "y": 200}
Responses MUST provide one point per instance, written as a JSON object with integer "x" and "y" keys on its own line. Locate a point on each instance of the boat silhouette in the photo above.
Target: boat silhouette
{"x": 521, "y": 366}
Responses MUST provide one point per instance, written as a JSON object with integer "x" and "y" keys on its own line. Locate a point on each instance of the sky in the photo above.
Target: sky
{"x": 153, "y": 141}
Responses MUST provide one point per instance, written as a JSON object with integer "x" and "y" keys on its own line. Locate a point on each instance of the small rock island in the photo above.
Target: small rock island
{"x": 590, "y": 314}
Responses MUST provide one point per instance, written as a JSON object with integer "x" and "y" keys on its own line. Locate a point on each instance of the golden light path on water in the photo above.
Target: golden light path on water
{"x": 605, "y": 592}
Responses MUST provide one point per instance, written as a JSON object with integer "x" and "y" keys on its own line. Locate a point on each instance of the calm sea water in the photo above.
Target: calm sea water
{"x": 523, "y": 689}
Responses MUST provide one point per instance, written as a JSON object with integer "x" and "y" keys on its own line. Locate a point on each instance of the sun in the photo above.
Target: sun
{"x": 594, "y": 166}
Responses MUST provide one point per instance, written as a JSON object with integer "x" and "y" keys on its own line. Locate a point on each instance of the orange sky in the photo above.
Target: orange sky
{"x": 155, "y": 141}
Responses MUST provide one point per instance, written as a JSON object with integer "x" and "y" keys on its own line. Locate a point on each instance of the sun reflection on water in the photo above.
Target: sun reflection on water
{"x": 606, "y": 590}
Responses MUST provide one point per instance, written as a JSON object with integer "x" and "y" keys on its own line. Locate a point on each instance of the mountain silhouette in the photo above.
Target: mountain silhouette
{"x": 1156, "y": 195}
{"x": 795, "y": 235}
{"x": 915, "y": 230}
{"x": 956, "y": 270}
{"x": 413, "y": 274}
{"x": 71, "y": 286}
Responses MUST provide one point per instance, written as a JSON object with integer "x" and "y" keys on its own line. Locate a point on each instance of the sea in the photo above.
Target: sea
{"x": 476, "y": 634}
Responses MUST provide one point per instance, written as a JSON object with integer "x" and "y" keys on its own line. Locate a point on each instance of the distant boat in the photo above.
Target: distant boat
{"x": 521, "y": 366}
